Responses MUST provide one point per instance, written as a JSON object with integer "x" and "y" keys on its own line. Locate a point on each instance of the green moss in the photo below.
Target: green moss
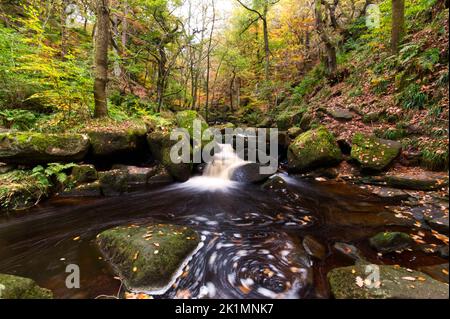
{"x": 373, "y": 153}
{"x": 146, "y": 257}
{"x": 312, "y": 149}
{"x": 21, "y": 288}
{"x": 390, "y": 241}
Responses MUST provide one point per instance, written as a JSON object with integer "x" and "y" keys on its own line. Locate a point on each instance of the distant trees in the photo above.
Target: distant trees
{"x": 398, "y": 24}
{"x": 102, "y": 38}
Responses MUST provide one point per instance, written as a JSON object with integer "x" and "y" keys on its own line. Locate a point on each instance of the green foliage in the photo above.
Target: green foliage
{"x": 413, "y": 97}
{"x": 18, "y": 119}
{"x": 53, "y": 172}
{"x": 434, "y": 154}
{"x": 429, "y": 59}
{"x": 308, "y": 83}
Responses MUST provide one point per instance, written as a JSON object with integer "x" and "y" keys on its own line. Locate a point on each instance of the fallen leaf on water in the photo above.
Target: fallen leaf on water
{"x": 136, "y": 255}
{"x": 156, "y": 252}
{"x": 76, "y": 238}
{"x": 156, "y": 244}
{"x": 445, "y": 271}
{"x": 244, "y": 289}
{"x": 134, "y": 269}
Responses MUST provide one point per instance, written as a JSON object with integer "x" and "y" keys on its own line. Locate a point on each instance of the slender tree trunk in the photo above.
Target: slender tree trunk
{"x": 124, "y": 25}
{"x": 208, "y": 59}
{"x": 266, "y": 47}
{"x": 101, "y": 58}
{"x": 64, "y": 34}
{"x": 160, "y": 83}
{"x": 398, "y": 24}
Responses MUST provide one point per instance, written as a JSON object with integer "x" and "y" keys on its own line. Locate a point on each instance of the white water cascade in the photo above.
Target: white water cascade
{"x": 217, "y": 173}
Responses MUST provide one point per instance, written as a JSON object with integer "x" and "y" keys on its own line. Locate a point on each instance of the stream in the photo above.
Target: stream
{"x": 247, "y": 235}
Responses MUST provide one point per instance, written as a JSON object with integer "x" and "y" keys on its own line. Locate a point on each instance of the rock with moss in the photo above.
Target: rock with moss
{"x": 294, "y": 131}
{"x": 113, "y": 182}
{"x": 92, "y": 189}
{"x": 15, "y": 287}
{"x": 109, "y": 141}
{"x": 35, "y": 148}
{"x": 289, "y": 118}
{"x": 390, "y": 241}
{"x": 313, "y": 149}
{"x": 147, "y": 257}
{"x": 394, "y": 283}
{"x": 160, "y": 146}
{"x": 373, "y": 153}
{"x": 84, "y": 173}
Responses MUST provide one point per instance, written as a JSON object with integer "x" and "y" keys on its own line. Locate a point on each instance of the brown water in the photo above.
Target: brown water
{"x": 252, "y": 238}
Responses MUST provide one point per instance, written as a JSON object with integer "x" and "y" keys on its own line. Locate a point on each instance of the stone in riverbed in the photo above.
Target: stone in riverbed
{"x": 147, "y": 257}
{"x": 313, "y": 149}
{"x": 437, "y": 220}
{"x": 275, "y": 183}
{"x": 394, "y": 283}
{"x": 390, "y": 241}
{"x": 160, "y": 145}
{"x": 349, "y": 251}
{"x": 15, "y": 287}
{"x": 249, "y": 173}
{"x": 113, "y": 182}
{"x": 35, "y": 148}
{"x": 314, "y": 248}
{"x": 83, "y": 173}
{"x": 390, "y": 193}
{"x": 422, "y": 181}
{"x": 84, "y": 190}
{"x": 138, "y": 176}
{"x": 373, "y": 153}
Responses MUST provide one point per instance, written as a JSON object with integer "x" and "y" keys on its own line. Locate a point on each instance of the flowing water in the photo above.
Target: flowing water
{"x": 251, "y": 237}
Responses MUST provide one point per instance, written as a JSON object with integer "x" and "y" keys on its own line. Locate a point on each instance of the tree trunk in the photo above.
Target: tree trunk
{"x": 329, "y": 47}
{"x": 124, "y": 25}
{"x": 266, "y": 48}
{"x": 398, "y": 24}
{"x": 64, "y": 34}
{"x": 208, "y": 60}
{"x": 101, "y": 58}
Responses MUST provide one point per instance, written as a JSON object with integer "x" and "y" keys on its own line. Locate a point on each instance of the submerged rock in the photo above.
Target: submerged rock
{"x": 35, "y": 148}
{"x": 373, "y": 153}
{"x": 15, "y": 287}
{"x": 160, "y": 146}
{"x": 314, "y": 248}
{"x": 394, "y": 283}
{"x": 147, "y": 257}
{"x": 349, "y": 251}
{"x": 275, "y": 183}
{"x": 390, "y": 241}
{"x": 313, "y": 149}
{"x": 249, "y": 173}
{"x": 108, "y": 142}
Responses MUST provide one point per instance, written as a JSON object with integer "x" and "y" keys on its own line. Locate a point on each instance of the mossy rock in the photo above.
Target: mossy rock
{"x": 14, "y": 287}
{"x": 113, "y": 182}
{"x": 390, "y": 241}
{"x": 147, "y": 257}
{"x": 35, "y": 148}
{"x": 394, "y": 283}
{"x": 294, "y": 131}
{"x": 84, "y": 190}
{"x": 373, "y": 153}
{"x": 160, "y": 145}
{"x": 111, "y": 141}
{"x": 83, "y": 174}
{"x": 313, "y": 149}
{"x": 289, "y": 118}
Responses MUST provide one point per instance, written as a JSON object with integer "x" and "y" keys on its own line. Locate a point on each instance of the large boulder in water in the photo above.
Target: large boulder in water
{"x": 35, "y": 148}
{"x": 14, "y": 287}
{"x": 313, "y": 149}
{"x": 249, "y": 173}
{"x": 160, "y": 145}
{"x": 147, "y": 257}
{"x": 372, "y": 153}
{"x": 394, "y": 283}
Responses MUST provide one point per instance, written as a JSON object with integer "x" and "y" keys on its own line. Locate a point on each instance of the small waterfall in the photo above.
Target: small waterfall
{"x": 223, "y": 163}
